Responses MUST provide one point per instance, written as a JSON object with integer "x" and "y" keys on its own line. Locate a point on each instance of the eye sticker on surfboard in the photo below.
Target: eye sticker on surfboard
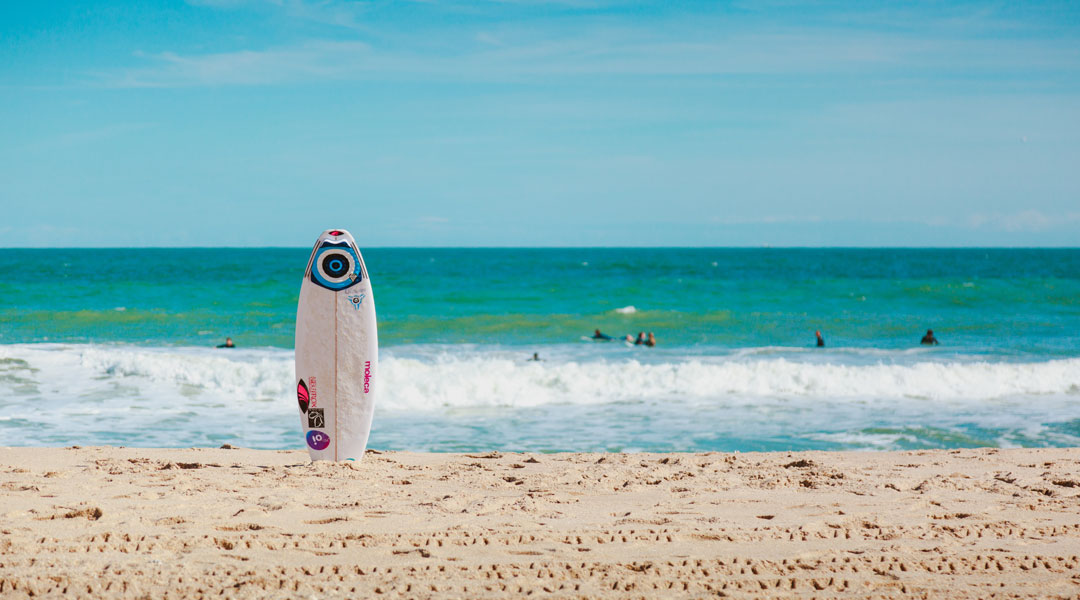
{"x": 335, "y": 266}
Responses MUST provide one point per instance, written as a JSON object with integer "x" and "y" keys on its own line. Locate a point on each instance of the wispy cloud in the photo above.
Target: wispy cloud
{"x": 767, "y": 220}
{"x": 1030, "y": 221}
{"x": 348, "y": 14}
{"x": 231, "y": 3}
{"x": 85, "y": 136}
{"x": 513, "y": 54}
{"x": 312, "y": 61}
{"x": 490, "y": 41}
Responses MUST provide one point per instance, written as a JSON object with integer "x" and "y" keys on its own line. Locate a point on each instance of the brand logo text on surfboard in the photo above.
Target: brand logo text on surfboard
{"x": 367, "y": 376}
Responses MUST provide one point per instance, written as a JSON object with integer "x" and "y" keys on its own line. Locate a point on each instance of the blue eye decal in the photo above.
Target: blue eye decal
{"x": 336, "y": 266}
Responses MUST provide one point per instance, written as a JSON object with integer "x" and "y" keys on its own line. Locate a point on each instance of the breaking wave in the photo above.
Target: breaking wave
{"x": 580, "y": 398}
{"x": 494, "y": 379}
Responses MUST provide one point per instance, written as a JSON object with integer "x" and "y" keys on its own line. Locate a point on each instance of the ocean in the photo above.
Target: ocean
{"x": 117, "y": 347}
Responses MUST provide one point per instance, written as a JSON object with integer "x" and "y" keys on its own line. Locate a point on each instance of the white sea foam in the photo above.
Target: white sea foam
{"x": 626, "y": 310}
{"x": 500, "y": 378}
{"x": 243, "y": 374}
{"x": 467, "y": 397}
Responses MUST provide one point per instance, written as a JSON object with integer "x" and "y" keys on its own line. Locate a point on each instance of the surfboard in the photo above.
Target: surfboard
{"x": 337, "y": 350}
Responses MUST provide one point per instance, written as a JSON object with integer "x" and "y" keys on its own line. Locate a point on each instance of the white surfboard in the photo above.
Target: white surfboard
{"x": 337, "y": 350}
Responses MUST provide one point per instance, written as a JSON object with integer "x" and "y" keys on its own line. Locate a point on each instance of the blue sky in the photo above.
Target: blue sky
{"x": 252, "y": 122}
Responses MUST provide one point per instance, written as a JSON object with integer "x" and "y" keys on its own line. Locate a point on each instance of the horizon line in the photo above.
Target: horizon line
{"x": 497, "y": 247}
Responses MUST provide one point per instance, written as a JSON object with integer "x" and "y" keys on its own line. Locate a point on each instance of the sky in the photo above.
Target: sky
{"x": 517, "y": 123}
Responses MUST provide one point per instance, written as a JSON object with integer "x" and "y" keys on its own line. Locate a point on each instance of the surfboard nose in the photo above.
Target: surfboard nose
{"x": 335, "y": 262}
{"x": 336, "y": 235}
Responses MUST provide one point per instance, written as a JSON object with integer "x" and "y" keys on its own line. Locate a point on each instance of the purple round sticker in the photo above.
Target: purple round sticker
{"x": 318, "y": 440}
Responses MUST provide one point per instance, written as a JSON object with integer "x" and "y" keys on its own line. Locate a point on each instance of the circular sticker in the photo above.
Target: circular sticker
{"x": 318, "y": 440}
{"x": 336, "y": 265}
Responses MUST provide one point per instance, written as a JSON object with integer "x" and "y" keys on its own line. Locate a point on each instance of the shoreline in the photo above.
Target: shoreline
{"x": 110, "y": 522}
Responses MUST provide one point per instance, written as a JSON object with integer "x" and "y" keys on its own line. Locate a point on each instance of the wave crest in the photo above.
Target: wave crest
{"x": 490, "y": 379}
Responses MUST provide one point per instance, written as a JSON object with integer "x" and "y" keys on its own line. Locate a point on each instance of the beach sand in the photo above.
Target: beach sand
{"x": 235, "y": 523}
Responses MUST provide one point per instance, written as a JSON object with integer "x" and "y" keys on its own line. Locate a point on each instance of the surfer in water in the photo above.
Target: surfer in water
{"x": 929, "y": 339}
{"x": 651, "y": 341}
{"x": 600, "y": 337}
{"x": 535, "y": 357}
{"x": 228, "y": 343}
{"x": 640, "y": 338}
{"x": 820, "y": 340}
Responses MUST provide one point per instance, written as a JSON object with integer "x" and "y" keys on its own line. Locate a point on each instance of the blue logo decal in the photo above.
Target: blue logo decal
{"x": 356, "y": 300}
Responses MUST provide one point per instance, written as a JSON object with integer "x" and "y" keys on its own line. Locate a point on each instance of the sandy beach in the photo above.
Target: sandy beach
{"x": 235, "y": 523}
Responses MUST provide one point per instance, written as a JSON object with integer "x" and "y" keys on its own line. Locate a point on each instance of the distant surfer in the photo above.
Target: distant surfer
{"x": 228, "y": 343}
{"x": 640, "y": 339}
{"x": 535, "y": 357}
{"x": 929, "y": 339}
{"x": 820, "y": 340}
{"x": 651, "y": 341}
{"x": 600, "y": 336}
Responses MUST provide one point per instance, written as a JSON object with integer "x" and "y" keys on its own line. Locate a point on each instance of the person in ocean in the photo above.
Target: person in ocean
{"x": 535, "y": 358}
{"x": 929, "y": 339}
{"x": 820, "y": 340}
{"x": 599, "y": 336}
{"x": 228, "y": 343}
{"x": 640, "y": 338}
{"x": 651, "y": 341}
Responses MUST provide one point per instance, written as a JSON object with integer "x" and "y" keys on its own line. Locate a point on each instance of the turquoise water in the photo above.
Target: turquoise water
{"x": 115, "y": 346}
